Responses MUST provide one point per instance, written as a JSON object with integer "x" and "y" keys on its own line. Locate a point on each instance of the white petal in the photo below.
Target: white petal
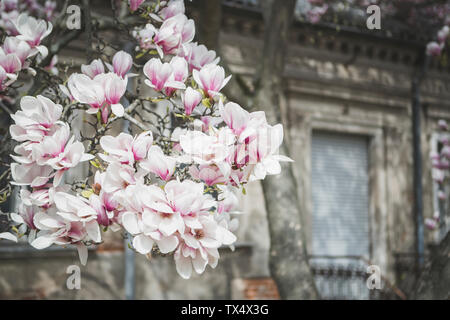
{"x": 8, "y": 236}
{"x": 43, "y": 242}
{"x": 16, "y": 218}
{"x": 167, "y": 244}
{"x": 130, "y": 223}
{"x": 184, "y": 266}
{"x": 117, "y": 109}
{"x": 142, "y": 244}
{"x": 93, "y": 231}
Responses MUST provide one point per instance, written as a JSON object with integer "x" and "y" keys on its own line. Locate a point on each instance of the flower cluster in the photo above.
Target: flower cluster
{"x": 173, "y": 191}
{"x": 23, "y": 43}
{"x": 46, "y": 151}
{"x": 100, "y": 90}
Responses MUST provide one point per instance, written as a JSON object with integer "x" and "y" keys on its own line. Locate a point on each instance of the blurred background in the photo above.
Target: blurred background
{"x": 360, "y": 108}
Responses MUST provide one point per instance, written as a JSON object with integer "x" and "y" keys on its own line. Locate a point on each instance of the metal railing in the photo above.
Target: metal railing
{"x": 345, "y": 278}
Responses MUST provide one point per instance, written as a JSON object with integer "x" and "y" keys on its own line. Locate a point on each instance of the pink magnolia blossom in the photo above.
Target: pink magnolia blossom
{"x": 145, "y": 36}
{"x": 179, "y": 74}
{"x": 173, "y": 34}
{"x": 263, "y": 151}
{"x": 114, "y": 88}
{"x": 134, "y": 4}
{"x": 119, "y": 176}
{"x": 122, "y": 63}
{"x": 35, "y": 119}
{"x": 159, "y": 164}
{"x": 71, "y": 222}
{"x": 160, "y": 75}
{"x": 210, "y": 175}
{"x": 200, "y": 247}
{"x": 208, "y": 149}
{"x": 191, "y": 98}
{"x": 235, "y": 117}
{"x": 33, "y": 31}
{"x": 443, "y": 34}
{"x": 10, "y": 63}
{"x": 86, "y": 90}
{"x": 96, "y": 67}
{"x": 9, "y": 5}
{"x": 125, "y": 149}
{"x": 30, "y": 174}
{"x": 198, "y": 56}
{"x": 21, "y": 49}
{"x": 211, "y": 79}
{"x": 60, "y": 153}
{"x": 7, "y": 21}
{"x": 173, "y": 8}
{"x": 434, "y": 48}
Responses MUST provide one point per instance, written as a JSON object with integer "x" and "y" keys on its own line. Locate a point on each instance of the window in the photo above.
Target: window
{"x": 340, "y": 217}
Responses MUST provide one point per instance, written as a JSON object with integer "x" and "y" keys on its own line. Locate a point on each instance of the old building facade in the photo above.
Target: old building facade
{"x": 348, "y": 123}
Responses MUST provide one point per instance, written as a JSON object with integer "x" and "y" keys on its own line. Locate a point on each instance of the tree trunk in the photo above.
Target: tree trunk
{"x": 288, "y": 257}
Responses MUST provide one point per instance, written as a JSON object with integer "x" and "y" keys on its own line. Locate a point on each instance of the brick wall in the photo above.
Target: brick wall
{"x": 255, "y": 289}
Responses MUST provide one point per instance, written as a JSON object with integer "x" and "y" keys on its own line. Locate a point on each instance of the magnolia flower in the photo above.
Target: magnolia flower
{"x": 103, "y": 215}
{"x": 24, "y": 218}
{"x": 87, "y": 90}
{"x": 114, "y": 88}
{"x": 173, "y": 34}
{"x": 94, "y": 68}
{"x": 7, "y": 21}
{"x": 160, "y": 75}
{"x": 179, "y": 73}
{"x": 119, "y": 176}
{"x": 71, "y": 222}
{"x": 10, "y": 64}
{"x": 126, "y": 149}
{"x": 210, "y": 175}
{"x": 198, "y": 56}
{"x": 59, "y": 153}
{"x": 30, "y": 174}
{"x": 263, "y": 151}
{"x": 9, "y": 5}
{"x": 200, "y": 247}
{"x": 211, "y": 79}
{"x": 145, "y": 36}
{"x": 122, "y": 63}
{"x": 35, "y": 119}
{"x": 13, "y": 45}
{"x": 159, "y": 164}
{"x": 191, "y": 98}
{"x": 235, "y": 117}
{"x": 134, "y": 4}
{"x": 443, "y": 34}
{"x": 173, "y": 8}
{"x": 33, "y": 31}
{"x": 207, "y": 149}
{"x": 434, "y": 48}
